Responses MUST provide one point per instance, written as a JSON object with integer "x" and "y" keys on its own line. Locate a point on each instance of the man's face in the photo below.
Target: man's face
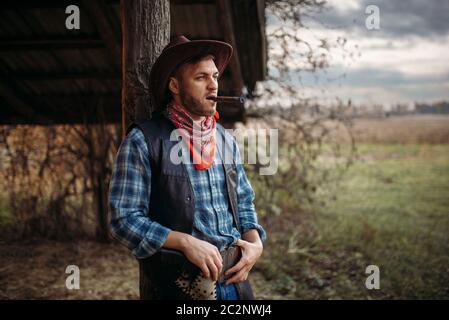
{"x": 197, "y": 82}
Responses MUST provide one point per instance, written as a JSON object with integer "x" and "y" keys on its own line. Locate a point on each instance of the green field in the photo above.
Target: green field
{"x": 391, "y": 210}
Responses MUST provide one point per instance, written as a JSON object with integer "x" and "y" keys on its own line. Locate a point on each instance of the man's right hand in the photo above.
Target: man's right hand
{"x": 205, "y": 256}
{"x": 201, "y": 253}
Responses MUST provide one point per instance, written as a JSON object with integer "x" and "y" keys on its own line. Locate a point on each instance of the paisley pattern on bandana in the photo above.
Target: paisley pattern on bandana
{"x": 200, "y": 137}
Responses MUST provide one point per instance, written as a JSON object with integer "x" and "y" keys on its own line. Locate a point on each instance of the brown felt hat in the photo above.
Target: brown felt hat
{"x": 179, "y": 50}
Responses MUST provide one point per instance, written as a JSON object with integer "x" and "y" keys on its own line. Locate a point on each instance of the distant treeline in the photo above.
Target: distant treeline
{"x": 436, "y": 108}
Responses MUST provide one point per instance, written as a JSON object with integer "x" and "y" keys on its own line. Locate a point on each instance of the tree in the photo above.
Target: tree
{"x": 310, "y": 130}
{"x": 145, "y": 31}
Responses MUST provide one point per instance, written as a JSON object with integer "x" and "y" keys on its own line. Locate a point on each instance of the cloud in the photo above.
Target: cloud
{"x": 379, "y": 94}
{"x": 397, "y": 18}
{"x": 370, "y": 77}
{"x": 373, "y": 85}
{"x": 405, "y": 60}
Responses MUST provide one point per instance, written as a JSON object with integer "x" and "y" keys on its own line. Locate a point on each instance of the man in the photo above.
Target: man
{"x": 191, "y": 225}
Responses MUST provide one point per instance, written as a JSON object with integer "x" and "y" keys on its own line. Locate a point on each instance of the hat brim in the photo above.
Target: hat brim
{"x": 174, "y": 56}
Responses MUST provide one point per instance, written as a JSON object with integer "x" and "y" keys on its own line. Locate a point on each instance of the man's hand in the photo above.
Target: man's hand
{"x": 201, "y": 253}
{"x": 250, "y": 254}
{"x": 204, "y": 255}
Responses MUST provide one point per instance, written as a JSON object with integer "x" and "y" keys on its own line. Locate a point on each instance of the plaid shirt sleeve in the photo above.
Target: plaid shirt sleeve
{"x": 129, "y": 196}
{"x": 246, "y": 196}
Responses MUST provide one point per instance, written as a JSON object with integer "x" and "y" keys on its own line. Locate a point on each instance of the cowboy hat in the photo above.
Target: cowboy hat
{"x": 179, "y": 50}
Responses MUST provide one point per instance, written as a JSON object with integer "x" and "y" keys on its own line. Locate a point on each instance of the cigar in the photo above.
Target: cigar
{"x": 227, "y": 99}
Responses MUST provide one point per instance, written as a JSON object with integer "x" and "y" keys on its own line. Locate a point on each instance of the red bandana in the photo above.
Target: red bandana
{"x": 202, "y": 143}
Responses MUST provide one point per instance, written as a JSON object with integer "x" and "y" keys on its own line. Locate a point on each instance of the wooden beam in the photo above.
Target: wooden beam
{"x": 100, "y": 17}
{"x": 51, "y": 43}
{"x": 58, "y": 108}
{"x": 43, "y": 4}
{"x": 224, "y": 12}
{"x": 61, "y": 99}
{"x": 26, "y": 107}
{"x": 32, "y": 23}
{"x": 145, "y": 31}
{"x": 30, "y": 4}
{"x": 225, "y": 19}
{"x": 190, "y": 2}
{"x": 12, "y": 94}
{"x": 72, "y": 114}
{"x": 57, "y": 76}
{"x": 14, "y": 97}
{"x": 249, "y": 30}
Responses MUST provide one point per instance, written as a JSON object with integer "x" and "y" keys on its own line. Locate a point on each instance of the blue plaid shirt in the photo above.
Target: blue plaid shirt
{"x": 129, "y": 195}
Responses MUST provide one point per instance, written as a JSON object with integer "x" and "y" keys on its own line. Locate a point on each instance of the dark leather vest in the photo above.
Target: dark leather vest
{"x": 172, "y": 200}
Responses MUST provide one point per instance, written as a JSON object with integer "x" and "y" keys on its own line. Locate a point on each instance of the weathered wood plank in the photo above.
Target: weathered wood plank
{"x": 100, "y": 17}
{"x": 51, "y": 43}
{"x": 225, "y": 19}
{"x": 251, "y": 39}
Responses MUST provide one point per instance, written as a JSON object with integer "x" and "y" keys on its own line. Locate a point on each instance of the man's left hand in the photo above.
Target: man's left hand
{"x": 250, "y": 254}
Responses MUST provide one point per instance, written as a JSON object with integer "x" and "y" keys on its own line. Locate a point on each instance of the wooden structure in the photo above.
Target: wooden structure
{"x": 49, "y": 74}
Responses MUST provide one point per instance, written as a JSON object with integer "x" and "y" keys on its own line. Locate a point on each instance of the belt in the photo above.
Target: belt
{"x": 230, "y": 257}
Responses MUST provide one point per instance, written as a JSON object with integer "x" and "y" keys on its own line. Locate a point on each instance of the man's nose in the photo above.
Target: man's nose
{"x": 212, "y": 84}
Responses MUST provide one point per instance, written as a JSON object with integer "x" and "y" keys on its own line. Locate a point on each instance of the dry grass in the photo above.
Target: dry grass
{"x": 36, "y": 270}
{"x": 417, "y": 129}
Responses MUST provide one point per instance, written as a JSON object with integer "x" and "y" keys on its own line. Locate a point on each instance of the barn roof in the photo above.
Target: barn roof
{"x": 49, "y": 74}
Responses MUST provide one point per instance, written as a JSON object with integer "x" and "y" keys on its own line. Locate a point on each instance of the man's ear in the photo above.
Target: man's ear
{"x": 173, "y": 85}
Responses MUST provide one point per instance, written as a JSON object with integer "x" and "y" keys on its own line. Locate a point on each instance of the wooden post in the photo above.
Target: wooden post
{"x": 145, "y": 32}
{"x": 226, "y": 23}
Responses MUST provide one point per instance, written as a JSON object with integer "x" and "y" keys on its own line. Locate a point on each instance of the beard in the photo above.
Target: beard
{"x": 195, "y": 105}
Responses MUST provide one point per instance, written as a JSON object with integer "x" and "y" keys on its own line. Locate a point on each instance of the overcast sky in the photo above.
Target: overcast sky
{"x": 406, "y": 60}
